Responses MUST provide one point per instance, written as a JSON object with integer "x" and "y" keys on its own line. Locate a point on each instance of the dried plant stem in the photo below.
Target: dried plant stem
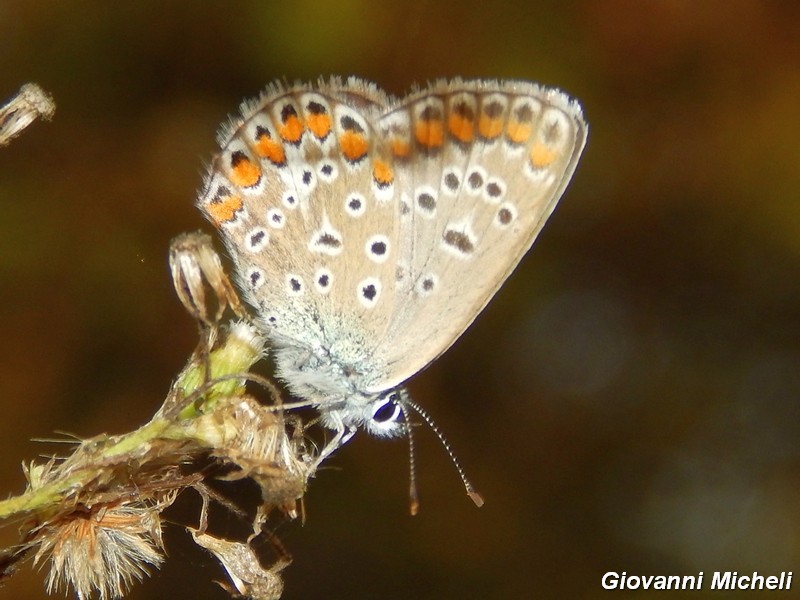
{"x": 96, "y": 515}
{"x": 99, "y": 454}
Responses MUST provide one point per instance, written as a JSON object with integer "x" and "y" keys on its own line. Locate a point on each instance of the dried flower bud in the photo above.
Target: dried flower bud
{"x": 30, "y": 103}
{"x": 249, "y": 578}
{"x": 195, "y": 266}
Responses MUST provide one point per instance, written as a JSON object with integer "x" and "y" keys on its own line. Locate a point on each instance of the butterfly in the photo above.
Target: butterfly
{"x": 367, "y": 232}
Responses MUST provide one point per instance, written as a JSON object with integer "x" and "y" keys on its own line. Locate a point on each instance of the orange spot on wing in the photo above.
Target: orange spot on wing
{"x": 319, "y": 124}
{"x": 400, "y": 147}
{"x": 489, "y": 127}
{"x": 222, "y": 210}
{"x": 354, "y": 145}
{"x": 541, "y": 156}
{"x": 292, "y": 129}
{"x": 461, "y": 128}
{"x": 429, "y": 133}
{"x": 268, "y": 148}
{"x": 518, "y": 133}
{"x": 245, "y": 173}
{"x": 382, "y": 172}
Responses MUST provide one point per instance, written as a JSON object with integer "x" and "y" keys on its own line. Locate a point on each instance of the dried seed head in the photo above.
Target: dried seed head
{"x": 102, "y": 550}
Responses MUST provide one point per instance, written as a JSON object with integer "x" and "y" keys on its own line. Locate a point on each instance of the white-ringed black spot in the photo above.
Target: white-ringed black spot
{"x": 326, "y": 240}
{"x": 306, "y": 179}
{"x": 327, "y": 171}
{"x": 289, "y": 200}
{"x": 355, "y": 205}
{"x": 426, "y": 202}
{"x": 451, "y": 181}
{"x": 323, "y": 279}
{"x": 427, "y": 285}
{"x": 255, "y": 277}
{"x": 294, "y": 285}
{"x": 475, "y": 180}
{"x": 458, "y": 241}
{"x": 494, "y": 190}
{"x": 329, "y": 240}
{"x": 505, "y": 215}
{"x": 256, "y": 239}
{"x": 275, "y": 218}
{"x": 369, "y": 290}
{"x": 377, "y": 248}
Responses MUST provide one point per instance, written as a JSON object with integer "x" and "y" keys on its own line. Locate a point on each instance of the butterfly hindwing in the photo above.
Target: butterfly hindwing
{"x": 504, "y": 156}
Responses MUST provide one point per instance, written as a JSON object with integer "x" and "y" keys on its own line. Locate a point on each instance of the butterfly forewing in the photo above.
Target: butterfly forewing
{"x": 311, "y": 230}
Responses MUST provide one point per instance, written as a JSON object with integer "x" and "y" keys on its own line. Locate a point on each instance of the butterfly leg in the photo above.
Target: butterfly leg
{"x": 340, "y": 438}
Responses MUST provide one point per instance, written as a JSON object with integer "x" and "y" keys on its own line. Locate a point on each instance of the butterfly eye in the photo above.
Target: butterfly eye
{"x": 386, "y": 411}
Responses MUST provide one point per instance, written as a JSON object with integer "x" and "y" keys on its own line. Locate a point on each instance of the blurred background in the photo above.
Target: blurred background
{"x": 630, "y": 401}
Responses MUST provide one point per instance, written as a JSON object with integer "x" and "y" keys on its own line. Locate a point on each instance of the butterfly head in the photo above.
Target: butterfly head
{"x": 381, "y": 414}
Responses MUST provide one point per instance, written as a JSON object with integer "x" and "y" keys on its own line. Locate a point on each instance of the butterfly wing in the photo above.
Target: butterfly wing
{"x": 369, "y": 233}
{"x": 299, "y": 196}
{"x": 481, "y": 166}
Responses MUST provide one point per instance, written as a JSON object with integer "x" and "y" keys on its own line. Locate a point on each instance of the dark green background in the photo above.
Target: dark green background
{"x": 631, "y": 399}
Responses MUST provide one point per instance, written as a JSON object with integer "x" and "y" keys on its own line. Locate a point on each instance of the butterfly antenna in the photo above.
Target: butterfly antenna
{"x": 471, "y": 491}
{"x": 413, "y": 496}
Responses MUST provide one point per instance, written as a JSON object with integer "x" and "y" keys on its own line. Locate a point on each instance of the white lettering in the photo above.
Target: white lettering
{"x": 690, "y": 582}
{"x": 721, "y": 581}
{"x": 757, "y": 580}
{"x": 622, "y": 581}
{"x": 610, "y": 580}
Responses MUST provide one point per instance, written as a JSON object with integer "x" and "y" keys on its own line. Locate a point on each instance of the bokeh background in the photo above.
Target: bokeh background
{"x": 630, "y": 401}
